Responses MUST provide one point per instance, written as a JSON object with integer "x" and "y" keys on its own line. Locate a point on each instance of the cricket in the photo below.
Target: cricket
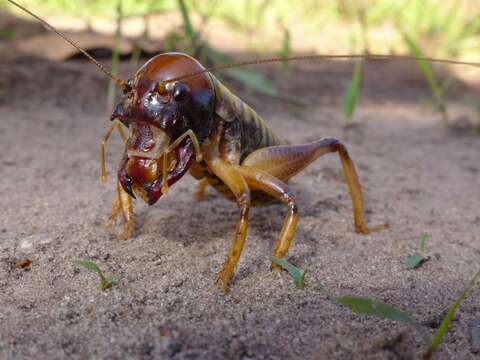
{"x": 181, "y": 119}
{"x": 263, "y": 179}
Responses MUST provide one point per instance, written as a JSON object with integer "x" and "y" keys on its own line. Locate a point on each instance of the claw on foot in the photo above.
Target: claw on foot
{"x": 128, "y": 228}
{"x": 122, "y": 206}
{"x": 275, "y": 268}
{"x": 200, "y": 193}
{"x": 223, "y": 279}
{"x": 363, "y": 229}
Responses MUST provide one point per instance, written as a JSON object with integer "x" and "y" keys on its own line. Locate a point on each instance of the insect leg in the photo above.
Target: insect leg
{"x": 286, "y": 161}
{"x": 236, "y": 183}
{"x": 122, "y": 204}
{"x": 115, "y": 125}
{"x": 261, "y": 180}
{"x": 202, "y": 187}
{"x": 125, "y": 202}
{"x": 193, "y": 137}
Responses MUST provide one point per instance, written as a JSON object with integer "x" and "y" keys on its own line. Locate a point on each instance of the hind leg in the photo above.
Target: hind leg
{"x": 285, "y": 161}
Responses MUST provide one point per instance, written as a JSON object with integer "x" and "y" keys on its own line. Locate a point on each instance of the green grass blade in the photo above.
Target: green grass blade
{"x": 426, "y": 69}
{"x": 350, "y": 98}
{"x": 254, "y": 80}
{"x": 112, "y": 280}
{"x": 413, "y": 261}
{"x": 417, "y": 259}
{"x": 109, "y": 282}
{"x": 187, "y": 24}
{"x": 372, "y": 307}
{"x": 297, "y": 273}
{"x": 367, "y": 306}
{"x": 286, "y": 50}
{"x": 423, "y": 240}
{"x": 438, "y": 337}
{"x": 251, "y": 79}
{"x": 89, "y": 265}
{"x": 423, "y": 64}
{"x": 115, "y": 58}
{"x": 6, "y": 34}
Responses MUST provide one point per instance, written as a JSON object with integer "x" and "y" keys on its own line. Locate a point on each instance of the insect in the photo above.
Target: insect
{"x": 180, "y": 118}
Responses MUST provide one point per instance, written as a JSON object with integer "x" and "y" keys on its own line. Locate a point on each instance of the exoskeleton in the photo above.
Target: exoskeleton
{"x": 196, "y": 125}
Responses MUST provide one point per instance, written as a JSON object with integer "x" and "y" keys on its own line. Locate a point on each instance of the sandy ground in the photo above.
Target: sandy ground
{"x": 416, "y": 174}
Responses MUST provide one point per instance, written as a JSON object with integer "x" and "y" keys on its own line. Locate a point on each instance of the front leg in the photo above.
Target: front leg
{"x": 122, "y": 205}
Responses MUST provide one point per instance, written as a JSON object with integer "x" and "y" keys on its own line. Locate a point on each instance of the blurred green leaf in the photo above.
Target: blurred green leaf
{"x": 417, "y": 259}
{"x": 444, "y": 325}
{"x": 112, "y": 88}
{"x": 187, "y": 24}
{"x": 350, "y": 98}
{"x": 105, "y": 282}
{"x": 367, "y": 306}
{"x": 297, "y": 273}
{"x": 89, "y": 265}
{"x": 109, "y": 282}
{"x": 423, "y": 240}
{"x": 173, "y": 41}
{"x": 253, "y": 80}
{"x": 216, "y": 56}
{"x": 286, "y": 50}
{"x": 414, "y": 261}
{"x": 473, "y": 102}
{"x": 425, "y": 67}
{"x": 6, "y": 34}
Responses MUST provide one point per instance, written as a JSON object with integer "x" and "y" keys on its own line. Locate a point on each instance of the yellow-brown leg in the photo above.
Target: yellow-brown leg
{"x": 115, "y": 125}
{"x": 260, "y": 180}
{"x": 283, "y": 162}
{"x": 236, "y": 183}
{"x": 122, "y": 204}
{"x": 202, "y": 187}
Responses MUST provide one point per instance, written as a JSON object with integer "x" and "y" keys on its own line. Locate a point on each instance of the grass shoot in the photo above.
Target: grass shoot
{"x": 297, "y": 274}
{"x": 105, "y": 281}
{"x": 416, "y": 260}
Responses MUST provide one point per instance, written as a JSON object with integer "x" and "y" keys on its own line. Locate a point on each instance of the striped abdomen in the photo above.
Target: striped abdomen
{"x": 243, "y": 125}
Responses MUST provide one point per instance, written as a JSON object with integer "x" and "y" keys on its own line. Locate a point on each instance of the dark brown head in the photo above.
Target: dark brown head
{"x": 157, "y": 113}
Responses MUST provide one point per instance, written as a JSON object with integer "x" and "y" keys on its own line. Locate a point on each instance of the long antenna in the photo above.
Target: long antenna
{"x": 120, "y": 83}
{"x": 325, "y": 57}
{"x": 125, "y": 87}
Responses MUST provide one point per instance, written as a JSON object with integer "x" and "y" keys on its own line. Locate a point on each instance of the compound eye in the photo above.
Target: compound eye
{"x": 152, "y": 105}
{"x": 128, "y": 86}
{"x": 180, "y": 92}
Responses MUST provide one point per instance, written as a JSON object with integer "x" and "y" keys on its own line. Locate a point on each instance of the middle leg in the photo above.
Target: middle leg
{"x": 261, "y": 180}
{"x": 236, "y": 183}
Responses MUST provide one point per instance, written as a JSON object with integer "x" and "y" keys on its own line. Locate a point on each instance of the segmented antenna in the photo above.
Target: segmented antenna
{"x": 324, "y": 57}
{"x": 117, "y": 80}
